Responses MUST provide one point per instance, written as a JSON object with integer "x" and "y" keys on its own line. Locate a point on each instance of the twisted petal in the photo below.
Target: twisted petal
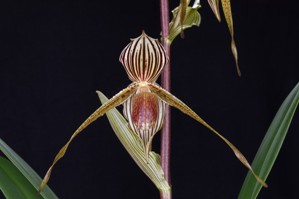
{"x": 143, "y": 59}
{"x": 226, "y": 7}
{"x": 229, "y": 20}
{"x": 175, "y": 102}
{"x": 113, "y": 102}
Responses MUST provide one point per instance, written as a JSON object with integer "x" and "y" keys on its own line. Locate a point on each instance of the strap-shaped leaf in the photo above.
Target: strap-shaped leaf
{"x": 271, "y": 145}
{"x": 175, "y": 102}
{"x": 13, "y": 183}
{"x": 149, "y": 165}
{"x": 111, "y": 103}
{"x": 26, "y": 170}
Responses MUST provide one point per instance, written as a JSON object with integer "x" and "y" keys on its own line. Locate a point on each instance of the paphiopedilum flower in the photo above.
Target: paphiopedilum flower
{"x": 143, "y": 60}
{"x": 144, "y": 100}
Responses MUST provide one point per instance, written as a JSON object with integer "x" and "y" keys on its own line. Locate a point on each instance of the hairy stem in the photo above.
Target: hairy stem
{"x": 165, "y": 80}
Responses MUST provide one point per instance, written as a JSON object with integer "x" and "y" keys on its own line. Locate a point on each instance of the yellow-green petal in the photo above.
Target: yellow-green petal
{"x": 116, "y": 100}
{"x": 175, "y": 102}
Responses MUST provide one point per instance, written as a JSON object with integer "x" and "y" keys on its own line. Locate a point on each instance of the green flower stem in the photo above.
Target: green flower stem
{"x": 165, "y": 80}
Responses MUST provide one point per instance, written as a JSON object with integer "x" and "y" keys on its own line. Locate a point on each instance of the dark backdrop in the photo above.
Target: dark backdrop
{"x": 54, "y": 56}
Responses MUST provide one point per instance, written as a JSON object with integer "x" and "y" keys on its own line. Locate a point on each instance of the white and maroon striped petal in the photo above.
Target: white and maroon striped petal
{"x": 145, "y": 113}
{"x": 143, "y": 59}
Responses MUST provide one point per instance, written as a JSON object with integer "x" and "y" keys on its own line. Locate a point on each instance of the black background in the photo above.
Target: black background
{"x": 54, "y": 56}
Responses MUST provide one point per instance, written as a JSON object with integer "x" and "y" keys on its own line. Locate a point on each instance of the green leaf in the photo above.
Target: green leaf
{"x": 13, "y": 183}
{"x": 26, "y": 170}
{"x": 179, "y": 22}
{"x": 151, "y": 165}
{"x": 271, "y": 145}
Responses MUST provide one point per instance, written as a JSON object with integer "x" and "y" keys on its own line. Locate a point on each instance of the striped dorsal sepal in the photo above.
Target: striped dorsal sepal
{"x": 143, "y": 59}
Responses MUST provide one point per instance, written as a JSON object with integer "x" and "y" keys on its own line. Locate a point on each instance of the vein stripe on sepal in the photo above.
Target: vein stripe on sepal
{"x": 143, "y": 58}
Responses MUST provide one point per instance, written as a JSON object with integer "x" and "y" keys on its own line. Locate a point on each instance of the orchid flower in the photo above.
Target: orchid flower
{"x": 144, "y": 100}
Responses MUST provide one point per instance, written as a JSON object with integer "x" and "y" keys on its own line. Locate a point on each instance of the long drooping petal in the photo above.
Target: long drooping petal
{"x": 143, "y": 59}
{"x": 113, "y": 102}
{"x": 175, "y": 102}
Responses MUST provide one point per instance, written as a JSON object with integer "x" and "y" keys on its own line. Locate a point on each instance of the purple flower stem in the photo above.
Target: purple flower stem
{"x": 165, "y": 80}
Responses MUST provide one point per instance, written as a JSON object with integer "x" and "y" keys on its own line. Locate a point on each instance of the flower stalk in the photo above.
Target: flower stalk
{"x": 165, "y": 82}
